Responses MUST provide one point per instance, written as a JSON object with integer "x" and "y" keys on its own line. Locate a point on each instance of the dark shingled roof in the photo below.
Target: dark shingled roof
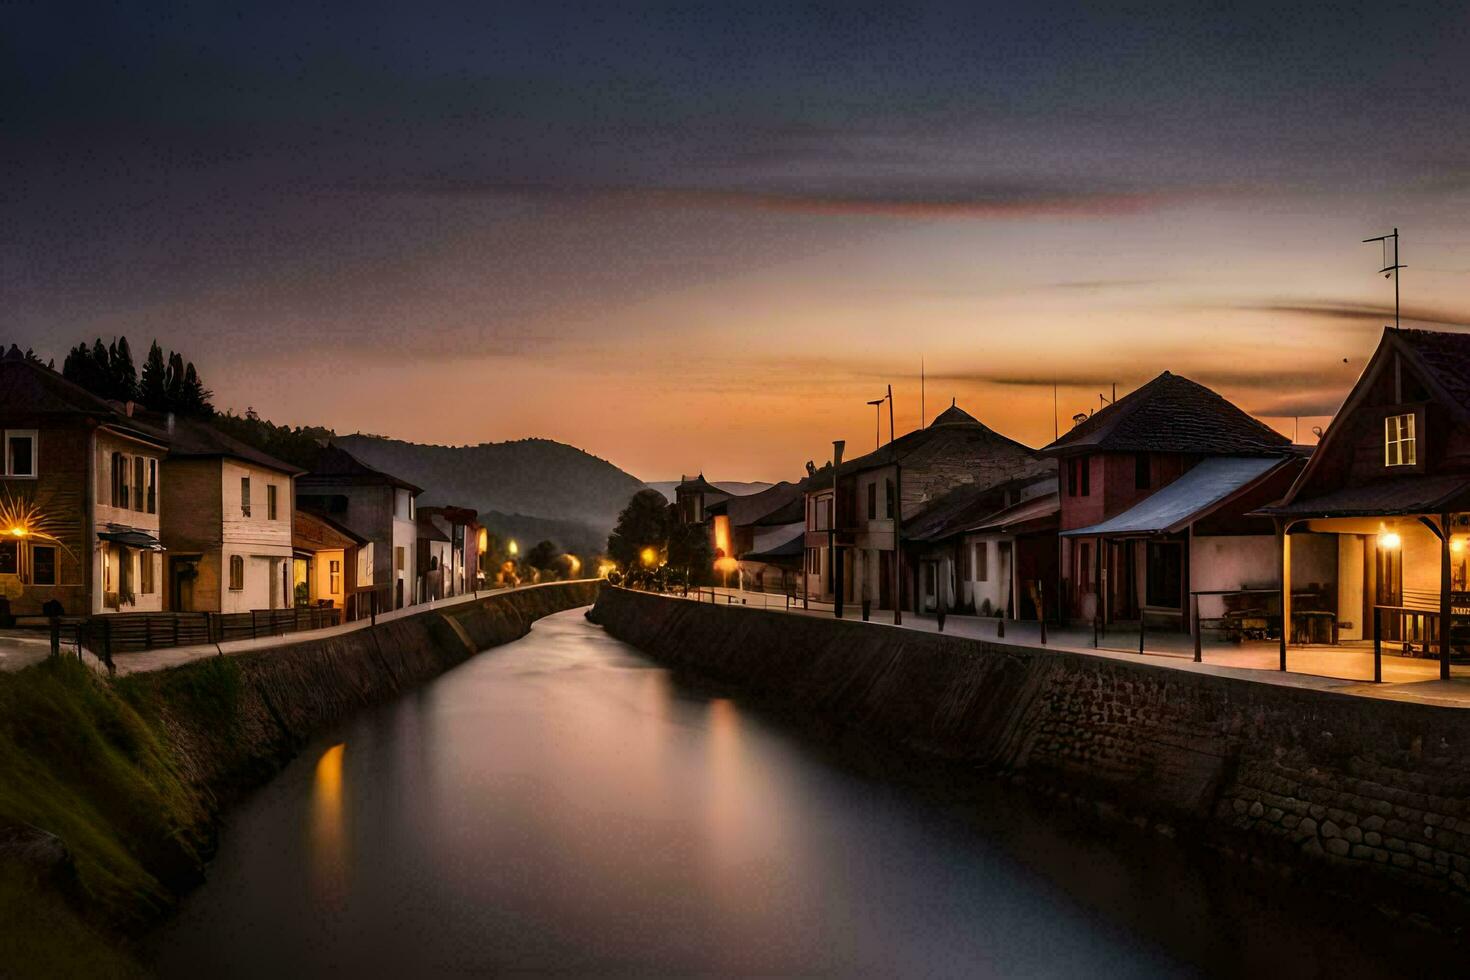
{"x": 1172, "y": 414}
{"x": 955, "y": 433}
{"x": 31, "y": 390}
{"x": 336, "y": 465}
{"x": 1396, "y": 495}
{"x": 192, "y": 438}
{"x": 966, "y": 505}
{"x": 697, "y": 483}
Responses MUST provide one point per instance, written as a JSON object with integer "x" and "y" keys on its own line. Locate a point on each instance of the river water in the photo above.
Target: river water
{"x": 561, "y": 804}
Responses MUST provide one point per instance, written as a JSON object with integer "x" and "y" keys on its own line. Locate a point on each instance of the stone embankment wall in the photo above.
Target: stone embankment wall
{"x": 1315, "y": 784}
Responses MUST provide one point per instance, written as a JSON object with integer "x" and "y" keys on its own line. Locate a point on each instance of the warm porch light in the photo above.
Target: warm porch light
{"x": 649, "y": 556}
{"x": 576, "y": 563}
{"x": 1457, "y": 545}
{"x": 513, "y": 548}
{"x": 1388, "y": 539}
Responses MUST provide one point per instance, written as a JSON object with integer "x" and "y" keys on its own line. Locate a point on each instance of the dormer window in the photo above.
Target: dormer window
{"x": 1399, "y": 447}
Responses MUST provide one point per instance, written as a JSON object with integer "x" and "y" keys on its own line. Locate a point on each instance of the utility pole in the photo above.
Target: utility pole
{"x": 890, "y": 414}
{"x": 877, "y": 404}
{"x": 837, "y": 446}
{"x": 1390, "y": 269}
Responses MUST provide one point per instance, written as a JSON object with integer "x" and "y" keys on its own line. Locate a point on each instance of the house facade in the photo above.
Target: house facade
{"x": 325, "y": 563}
{"x": 1156, "y": 493}
{"x": 453, "y": 569}
{"x": 80, "y": 491}
{"x": 877, "y": 493}
{"x": 379, "y": 507}
{"x": 1387, "y": 496}
{"x": 228, "y": 523}
{"x": 765, "y": 534}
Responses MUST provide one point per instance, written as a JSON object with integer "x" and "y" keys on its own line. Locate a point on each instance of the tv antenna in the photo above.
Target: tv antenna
{"x": 1390, "y": 269}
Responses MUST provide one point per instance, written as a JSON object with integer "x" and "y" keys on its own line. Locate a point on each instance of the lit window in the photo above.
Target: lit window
{"x": 1398, "y": 441}
{"x": 237, "y": 573}
{"x": 334, "y": 577}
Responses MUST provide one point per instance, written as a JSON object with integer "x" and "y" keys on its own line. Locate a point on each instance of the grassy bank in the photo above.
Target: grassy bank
{"x": 84, "y": 761}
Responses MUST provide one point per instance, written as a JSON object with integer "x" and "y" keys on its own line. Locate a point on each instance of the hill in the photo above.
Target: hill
{"x": 529, "y": 488}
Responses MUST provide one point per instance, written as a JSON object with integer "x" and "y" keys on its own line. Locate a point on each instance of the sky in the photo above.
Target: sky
{"x": 702, "y": 237}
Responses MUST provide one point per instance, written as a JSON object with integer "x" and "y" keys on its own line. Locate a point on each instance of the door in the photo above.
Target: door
{"x": 1390, "y": 588}
{"x": 181, "y": 576}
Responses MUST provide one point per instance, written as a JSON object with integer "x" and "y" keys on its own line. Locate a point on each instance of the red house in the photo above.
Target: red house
{"x": 1156, "y": 492}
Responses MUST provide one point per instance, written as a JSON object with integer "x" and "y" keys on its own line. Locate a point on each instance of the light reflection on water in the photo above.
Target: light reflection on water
{"x": 561, "y": 804}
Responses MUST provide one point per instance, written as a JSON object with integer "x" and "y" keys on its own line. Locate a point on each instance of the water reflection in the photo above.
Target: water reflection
{"x": 563, "y": 805}
{"x": 328, "y": 836}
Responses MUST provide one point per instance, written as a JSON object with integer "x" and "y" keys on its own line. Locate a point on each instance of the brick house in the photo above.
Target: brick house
{"x": 1157, "y": 491}
{"x": 80, "y": 486}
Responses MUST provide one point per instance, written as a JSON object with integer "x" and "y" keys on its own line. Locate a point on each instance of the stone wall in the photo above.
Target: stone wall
{"x": 1349, "y": 790}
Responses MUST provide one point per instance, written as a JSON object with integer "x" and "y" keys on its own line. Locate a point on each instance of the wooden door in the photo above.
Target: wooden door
{"x": 1389, "y": 569}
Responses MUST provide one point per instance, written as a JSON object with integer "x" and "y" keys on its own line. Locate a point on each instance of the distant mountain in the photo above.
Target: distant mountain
{"x": 666, "y": 487}
{"x": 529, "y": 488}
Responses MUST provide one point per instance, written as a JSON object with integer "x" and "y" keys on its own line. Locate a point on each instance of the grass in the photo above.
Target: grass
{"x": 86, "y": 760}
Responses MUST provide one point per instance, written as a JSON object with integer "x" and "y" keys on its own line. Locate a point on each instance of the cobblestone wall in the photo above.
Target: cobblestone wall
{"x": 1351, "y": 790}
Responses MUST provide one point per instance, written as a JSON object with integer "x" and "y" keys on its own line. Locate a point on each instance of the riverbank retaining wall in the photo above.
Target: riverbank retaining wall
{"x": 1300, "y": 781}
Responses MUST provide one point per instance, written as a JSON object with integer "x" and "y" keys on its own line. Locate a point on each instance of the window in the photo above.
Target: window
{"x": 119, "y": 481}
{"x": 139, "y": 467}
{"x": 1079, "y": 477}
{"x": 888, "y": 496}
{"x": 244, "y": 496}
{"x": 145, "y": 573}
{"x": 1398, "y": 441}
{"x": 20, "y": 452}
{"x": 334, "y": 577}
{"x": 237, "y": 573}
{"x": 270, "y": 501}
{"x": 965, "y": 561}
{"x": 872, "y": 500}
{"x": 1141, "y": 474}
{"x": 982, "y": 561}
{"x": 398, "y": 558}
{"x": 153, "y": 486}
{"x": 9, "y": 557}
{"x": 43, "y": 564}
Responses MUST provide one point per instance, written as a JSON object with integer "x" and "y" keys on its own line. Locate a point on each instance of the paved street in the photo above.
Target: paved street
{"x": 1347, "y": 668}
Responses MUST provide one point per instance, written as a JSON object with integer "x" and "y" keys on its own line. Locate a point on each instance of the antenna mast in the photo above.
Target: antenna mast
{"x": 1390, "y": 270}
{"x": 923, "y": 412}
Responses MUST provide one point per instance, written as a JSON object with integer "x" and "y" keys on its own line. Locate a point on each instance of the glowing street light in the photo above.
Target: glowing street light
{"x": 513, "y": 548}
{"x": 649, "y": 557}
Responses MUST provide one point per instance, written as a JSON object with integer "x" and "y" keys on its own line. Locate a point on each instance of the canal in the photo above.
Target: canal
{"x": 562, "y": 804}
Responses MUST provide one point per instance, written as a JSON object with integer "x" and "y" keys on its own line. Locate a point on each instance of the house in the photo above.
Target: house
{"x": 331, "y": 563}
{"x": 1157, "y": 494}
{"x": 79, "y": 497}
{"x": 379, "y": 507}
{"x": 765, "y": 534}
{"x": 988, "y": 550}
{"x": 876, "y": 493}
{"x": 1387, "y": 491}
{"x": 459, "y": 563}
{"x": 227, "y": 522}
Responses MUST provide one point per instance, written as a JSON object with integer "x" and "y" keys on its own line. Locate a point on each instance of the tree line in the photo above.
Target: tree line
{"x": 168, "y": 384}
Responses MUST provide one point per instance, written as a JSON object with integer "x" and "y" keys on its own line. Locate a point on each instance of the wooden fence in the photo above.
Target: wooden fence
{"x": 131, "y": 632}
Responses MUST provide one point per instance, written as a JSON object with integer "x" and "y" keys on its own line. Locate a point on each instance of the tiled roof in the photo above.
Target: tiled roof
{"x": 28, "y": 389}
{"x": 1172, "y": 414}
{"x": 1034, "y": 513}
{"x": 954, "y": 415}
{"x": 193, "y": 438}
{"x": 336, "y": 465}
{"x": 1444, "y": 356}
{"x": 969, "y": 504}
{"x": 942, "y": 440}
{"x": 1381, "y": 498}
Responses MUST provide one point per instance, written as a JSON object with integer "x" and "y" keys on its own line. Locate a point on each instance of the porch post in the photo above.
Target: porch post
{"x": 1444, "y": 597}
{"x": 1283, "y": 549}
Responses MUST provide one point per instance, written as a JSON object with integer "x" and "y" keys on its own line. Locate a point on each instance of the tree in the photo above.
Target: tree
{"x": 194, "y": 397}
{"x": 174, "y": 383}
{"x": 644, "y": 523}
{"x": 153, "y": 385}
{"x": 543, "y": 555}
{"x": 122, "y": 374}
{"x": 690, "y": 550}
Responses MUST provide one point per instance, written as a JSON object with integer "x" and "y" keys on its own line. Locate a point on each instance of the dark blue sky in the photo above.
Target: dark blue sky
{"x": 783, "y": 193}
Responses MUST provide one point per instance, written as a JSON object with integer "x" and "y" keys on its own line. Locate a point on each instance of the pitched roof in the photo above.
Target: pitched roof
{"x": 1172, "y": 414}
{"x": 28, "y": 389}
{"x": 1416, "y": 494}
{"x": 1039, "y": 513}
{"x": 191, "y": 438}
{"x": 966, "y": 505}
{"x": 300, "y": 519}
{"x": 697, "y": 484}
{"x": 1444, "y": 358}
{"x": 1197, "y": 493}
{"x": 334, "y": 464}
{"x": 784, "y": 553}
{"x": 954, "y": 433}
{"x": 429, "y": 529}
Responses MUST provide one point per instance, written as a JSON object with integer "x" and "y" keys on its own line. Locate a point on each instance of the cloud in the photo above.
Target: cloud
{"x": 1361, "y": 314}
